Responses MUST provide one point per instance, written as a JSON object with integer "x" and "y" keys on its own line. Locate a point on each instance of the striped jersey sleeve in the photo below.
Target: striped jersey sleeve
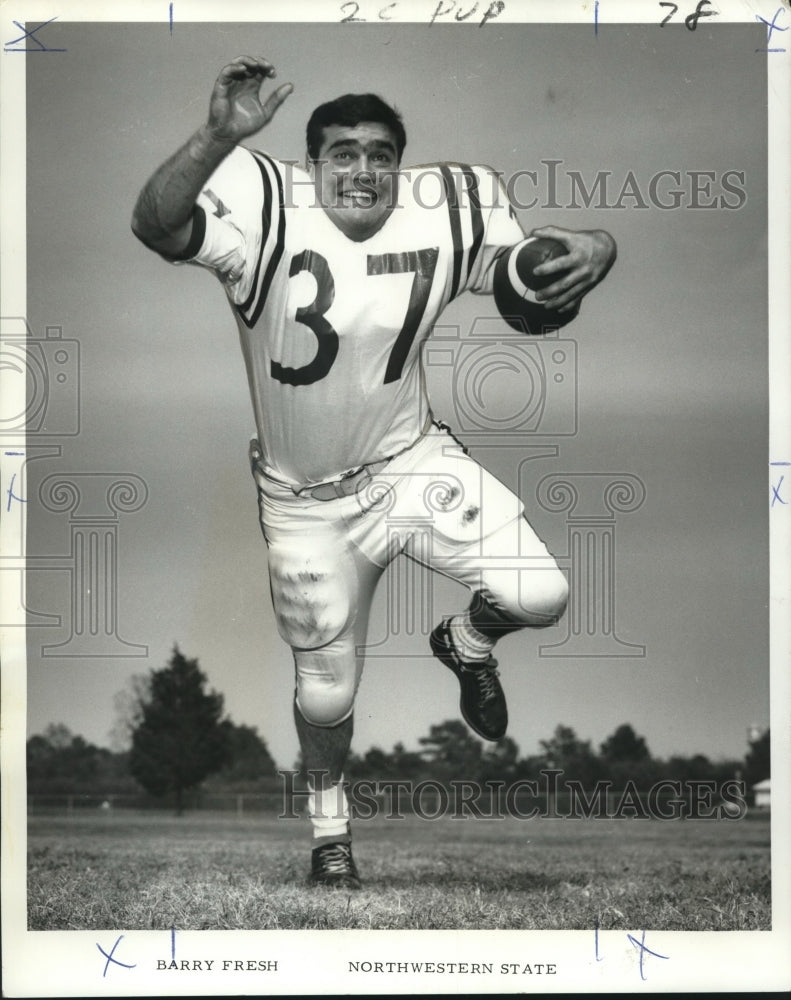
{"x": 239, "y": 227}
{"x": 482, "y": 223}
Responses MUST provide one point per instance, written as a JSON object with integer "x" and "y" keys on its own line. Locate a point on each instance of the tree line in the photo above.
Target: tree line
{"x": 182, "y": 742}
{"x": 451, "y": 752}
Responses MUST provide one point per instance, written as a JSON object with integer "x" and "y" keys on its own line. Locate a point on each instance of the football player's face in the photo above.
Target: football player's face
{"x": 356, "y": 177}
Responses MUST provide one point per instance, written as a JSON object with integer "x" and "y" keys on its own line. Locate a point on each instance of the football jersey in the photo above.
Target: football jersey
{"x": 331, "y": 329}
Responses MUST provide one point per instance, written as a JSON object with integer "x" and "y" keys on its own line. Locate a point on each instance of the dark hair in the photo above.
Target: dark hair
{"x": 350, "y": 110}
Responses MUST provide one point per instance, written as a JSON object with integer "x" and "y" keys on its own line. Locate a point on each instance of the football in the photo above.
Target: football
{"x": 515, "y": 286}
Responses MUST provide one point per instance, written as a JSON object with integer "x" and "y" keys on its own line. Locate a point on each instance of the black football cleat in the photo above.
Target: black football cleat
{"x": 333, "y": 865}
{"x": 482, "y": 699}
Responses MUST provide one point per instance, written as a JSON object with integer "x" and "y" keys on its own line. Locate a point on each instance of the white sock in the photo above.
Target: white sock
{"x": 328, "y": 810}
{"x": 469, "y": 642}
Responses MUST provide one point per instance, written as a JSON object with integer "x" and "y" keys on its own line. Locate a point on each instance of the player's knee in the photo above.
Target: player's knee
{"x": 326, "y": 683}
{"x": 324, "y": 702}
{"x": 535, "y": 598}
{"x": 551, "y": 596}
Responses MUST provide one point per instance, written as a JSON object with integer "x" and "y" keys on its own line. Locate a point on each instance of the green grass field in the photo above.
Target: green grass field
{"x": 213, "y": 871}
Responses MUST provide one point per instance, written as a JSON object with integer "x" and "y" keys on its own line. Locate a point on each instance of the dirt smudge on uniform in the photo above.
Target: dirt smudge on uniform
{"x": 470, "y": 514}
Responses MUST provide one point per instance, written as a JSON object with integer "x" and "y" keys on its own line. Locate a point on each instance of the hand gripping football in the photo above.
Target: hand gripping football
{"x": 515, "y": 286}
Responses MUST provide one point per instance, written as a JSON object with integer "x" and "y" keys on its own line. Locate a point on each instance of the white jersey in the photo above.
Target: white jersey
{"x": 331, "y": 329}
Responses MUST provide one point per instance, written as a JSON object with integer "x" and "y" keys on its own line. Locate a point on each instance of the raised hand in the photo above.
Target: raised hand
{"x": 235, "y": 109}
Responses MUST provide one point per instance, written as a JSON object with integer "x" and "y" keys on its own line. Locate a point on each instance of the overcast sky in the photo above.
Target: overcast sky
{"x": 671, "y": 378}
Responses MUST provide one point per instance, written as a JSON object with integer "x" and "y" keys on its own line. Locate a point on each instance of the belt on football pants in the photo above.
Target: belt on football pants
{"x": 346, "y": 485}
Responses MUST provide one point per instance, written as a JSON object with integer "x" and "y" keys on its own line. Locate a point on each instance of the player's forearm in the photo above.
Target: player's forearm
{"x": 163, "y": 212}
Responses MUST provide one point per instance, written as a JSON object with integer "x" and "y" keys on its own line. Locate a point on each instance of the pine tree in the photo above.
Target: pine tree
{"x": 624, "y": 744}
{"x": 180, "y": 738}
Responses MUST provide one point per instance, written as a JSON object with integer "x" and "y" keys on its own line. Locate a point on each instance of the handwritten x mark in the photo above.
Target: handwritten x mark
{"x": 31, "y": 35}
{"x": 641, "y": 945}
{"x": 110, "y": 957}
{"x": 772, "y": 26}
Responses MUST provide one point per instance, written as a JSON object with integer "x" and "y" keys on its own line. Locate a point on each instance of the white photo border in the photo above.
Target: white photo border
{"x": 315, "y": 962}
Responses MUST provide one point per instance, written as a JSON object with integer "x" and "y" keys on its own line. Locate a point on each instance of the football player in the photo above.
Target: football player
{"x": 336, "y": 274}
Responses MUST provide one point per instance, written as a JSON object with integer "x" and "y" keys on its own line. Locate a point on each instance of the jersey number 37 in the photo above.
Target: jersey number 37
{"x": 421, "y": 263}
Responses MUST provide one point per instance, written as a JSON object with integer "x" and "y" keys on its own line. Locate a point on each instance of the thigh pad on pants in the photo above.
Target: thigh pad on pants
{"x": 314, "y": 590}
